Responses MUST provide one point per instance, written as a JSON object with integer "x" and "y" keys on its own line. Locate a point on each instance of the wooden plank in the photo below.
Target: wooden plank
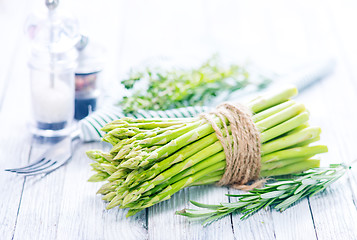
{"x": 17, "y": 111}
{"x": 162, "y": 222}
{"x": 342, "y": 18}
{"x": 258, "y": 226}
{"x": 14, "y": 139}
{"x": 83, "y": 214}
{"x": 14, "y": 152}
{"x": 41, "y": 203}
{"x": 221, "y": 229}
{"x": 295, "y": 222}
{"x": 287, "y": 40}
{"x": 334, "y": 212}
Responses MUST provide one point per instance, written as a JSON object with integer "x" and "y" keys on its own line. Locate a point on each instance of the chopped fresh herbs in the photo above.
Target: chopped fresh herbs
{"x": 174, "y": 88}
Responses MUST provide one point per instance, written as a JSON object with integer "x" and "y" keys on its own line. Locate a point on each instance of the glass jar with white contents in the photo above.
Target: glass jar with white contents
{"x": 52, "y": 92}
{"x": 52, "y": 64}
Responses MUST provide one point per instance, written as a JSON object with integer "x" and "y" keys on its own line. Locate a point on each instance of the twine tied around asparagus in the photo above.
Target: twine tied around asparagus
{"x": 241, "y": 147}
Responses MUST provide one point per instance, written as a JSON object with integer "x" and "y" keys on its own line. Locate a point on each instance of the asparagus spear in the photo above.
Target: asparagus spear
{"x": 151, "y": 159}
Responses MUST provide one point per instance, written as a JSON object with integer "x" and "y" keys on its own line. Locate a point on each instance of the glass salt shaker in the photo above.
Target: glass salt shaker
{"x": 52, "y": 64}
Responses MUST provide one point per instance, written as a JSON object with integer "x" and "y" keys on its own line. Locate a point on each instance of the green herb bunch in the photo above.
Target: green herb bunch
{"x": 175, "y": 88}
{"x": 280, "y": 194}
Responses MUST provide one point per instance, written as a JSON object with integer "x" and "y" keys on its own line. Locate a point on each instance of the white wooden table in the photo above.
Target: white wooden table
{"x": 63, "y": 205}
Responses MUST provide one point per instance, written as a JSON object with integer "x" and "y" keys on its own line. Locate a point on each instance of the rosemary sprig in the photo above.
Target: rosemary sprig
{"x": 280, "y": 194}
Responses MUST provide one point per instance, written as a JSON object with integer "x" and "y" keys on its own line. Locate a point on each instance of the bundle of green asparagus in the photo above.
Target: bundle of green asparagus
{"x": 151, "y": 159}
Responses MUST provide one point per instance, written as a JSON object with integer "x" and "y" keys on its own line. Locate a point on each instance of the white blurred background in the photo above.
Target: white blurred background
{"x": 276, "y": 35}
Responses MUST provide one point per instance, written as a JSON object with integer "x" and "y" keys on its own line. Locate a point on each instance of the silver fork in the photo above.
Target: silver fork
{"x": 53, "y": 158}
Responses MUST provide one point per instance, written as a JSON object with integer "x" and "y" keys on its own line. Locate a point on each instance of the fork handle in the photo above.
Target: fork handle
{"x": 76, "y": 134}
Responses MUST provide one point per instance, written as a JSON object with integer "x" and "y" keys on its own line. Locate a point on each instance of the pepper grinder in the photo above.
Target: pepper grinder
{"x": 88, "y": 76}
{"x": 52, "y": 64}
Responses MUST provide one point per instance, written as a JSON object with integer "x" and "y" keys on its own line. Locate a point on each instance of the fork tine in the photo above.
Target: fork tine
{"x": 48, "y": 164}
{"x": 51, "y": 168}
{"x": 28, "y": 166}
{"x": 42, "y": 164}
{"x": 52, "y": 159}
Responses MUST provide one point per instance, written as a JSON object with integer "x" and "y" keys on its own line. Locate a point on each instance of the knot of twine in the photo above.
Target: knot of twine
{"x": 241, "y": 145}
